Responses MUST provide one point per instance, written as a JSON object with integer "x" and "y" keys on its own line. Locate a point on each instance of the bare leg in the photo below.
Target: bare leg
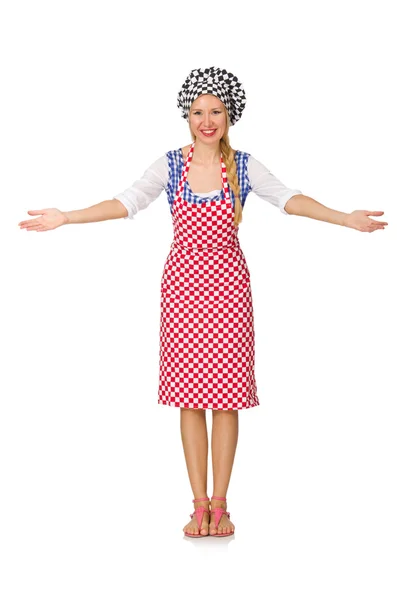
{"x": 195, "y": 447}
{"x": 224, "y": 443}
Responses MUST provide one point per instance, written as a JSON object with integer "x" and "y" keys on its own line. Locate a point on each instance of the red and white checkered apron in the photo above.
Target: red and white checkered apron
{"x": 207, "y": 347}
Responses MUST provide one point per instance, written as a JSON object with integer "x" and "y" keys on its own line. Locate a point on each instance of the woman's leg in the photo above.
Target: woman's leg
{"x": 224, "y": 443}
{"x": 195, "y": 446}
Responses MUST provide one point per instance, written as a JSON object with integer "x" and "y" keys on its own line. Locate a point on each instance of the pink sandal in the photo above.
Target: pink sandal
{"x": 219, "y": 511}
{"x": 199, "y": 512}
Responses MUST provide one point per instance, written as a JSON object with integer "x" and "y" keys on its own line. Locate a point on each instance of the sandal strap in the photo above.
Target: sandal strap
{"x": 199, "y": 513}
{"x": 200, "y": 499}
{"x": 217, "y": 498}
{"x": 219, "y": 511}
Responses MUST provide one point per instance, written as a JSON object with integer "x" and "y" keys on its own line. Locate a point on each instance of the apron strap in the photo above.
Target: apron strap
{"x": 185, "y": 171}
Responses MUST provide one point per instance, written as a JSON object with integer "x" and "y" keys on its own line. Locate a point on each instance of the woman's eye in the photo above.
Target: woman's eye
{"x": 197, "y": 112}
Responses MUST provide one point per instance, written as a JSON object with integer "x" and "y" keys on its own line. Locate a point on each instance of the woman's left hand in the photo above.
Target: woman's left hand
{"x": 359, "y": 219}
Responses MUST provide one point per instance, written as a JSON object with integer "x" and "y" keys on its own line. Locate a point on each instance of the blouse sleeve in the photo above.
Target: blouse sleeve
{"x": 267, "y": 186}
{"x": 146, "y": 189}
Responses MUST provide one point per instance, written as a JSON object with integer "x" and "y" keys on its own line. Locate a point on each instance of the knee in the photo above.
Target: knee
{"x": 198, "y": 412}
{"x": 216, "y": 414}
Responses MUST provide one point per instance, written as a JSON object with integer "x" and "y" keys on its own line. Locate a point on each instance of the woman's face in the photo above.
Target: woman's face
{"x": 208, "y": 113}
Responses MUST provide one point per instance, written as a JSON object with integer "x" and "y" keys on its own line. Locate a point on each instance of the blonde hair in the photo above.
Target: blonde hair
{"x": 231, "y": 170}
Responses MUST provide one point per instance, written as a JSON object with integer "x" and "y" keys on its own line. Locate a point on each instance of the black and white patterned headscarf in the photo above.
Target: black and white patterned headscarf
{"x": 218, "y": 82}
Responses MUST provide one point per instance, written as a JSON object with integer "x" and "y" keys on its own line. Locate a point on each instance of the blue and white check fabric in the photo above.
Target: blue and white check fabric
{"x": 175, "y": 167}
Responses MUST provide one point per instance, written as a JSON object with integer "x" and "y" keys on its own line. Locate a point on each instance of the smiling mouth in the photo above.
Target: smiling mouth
{"x": 208, "y": 132}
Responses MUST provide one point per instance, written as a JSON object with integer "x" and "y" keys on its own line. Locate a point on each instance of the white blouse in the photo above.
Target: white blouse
{"x": 155, "y": 179}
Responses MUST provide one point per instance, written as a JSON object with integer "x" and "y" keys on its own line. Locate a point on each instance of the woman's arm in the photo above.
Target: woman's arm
{"x": 293, "y": 202}
{"x": 146, "y": 189}
{"x": 265, "y": 185}
{"x": 304, "y": 206}
{"x": 108, "y": 209}
{"x": 51, "y": 218}
{"x": 126, "y": 204}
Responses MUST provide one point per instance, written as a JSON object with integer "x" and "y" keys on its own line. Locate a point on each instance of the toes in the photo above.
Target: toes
{"x": 222, "y": 529}
{"x": 196, "y": 531}
{"x": 204, "y": 527}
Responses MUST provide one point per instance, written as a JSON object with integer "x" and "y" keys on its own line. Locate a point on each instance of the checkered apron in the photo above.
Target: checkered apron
{"x": 207, "y": 347}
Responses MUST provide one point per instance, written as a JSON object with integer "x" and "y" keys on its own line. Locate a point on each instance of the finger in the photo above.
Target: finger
{"x": 37, "y": 221}
{"x": 32, "y": 227}
{"x": 377, "y": 222}
{"x": 36, "y": 212}
{"x": 375, "y": 213}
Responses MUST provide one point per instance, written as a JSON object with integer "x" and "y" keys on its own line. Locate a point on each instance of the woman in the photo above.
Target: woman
{"x": 207, "y": 358}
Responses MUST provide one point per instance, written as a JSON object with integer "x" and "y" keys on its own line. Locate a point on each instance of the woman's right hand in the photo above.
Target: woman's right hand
{"x": 51, "y": 219}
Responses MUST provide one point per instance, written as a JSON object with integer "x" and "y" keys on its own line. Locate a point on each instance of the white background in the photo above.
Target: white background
{"x": 94, "y": 487}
